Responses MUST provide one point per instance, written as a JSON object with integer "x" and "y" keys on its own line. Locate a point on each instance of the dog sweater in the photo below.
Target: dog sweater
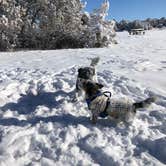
{"x": 98, "y": 105}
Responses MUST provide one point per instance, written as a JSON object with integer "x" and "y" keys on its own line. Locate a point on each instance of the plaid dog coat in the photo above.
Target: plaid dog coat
{"x": 115, "y": 107}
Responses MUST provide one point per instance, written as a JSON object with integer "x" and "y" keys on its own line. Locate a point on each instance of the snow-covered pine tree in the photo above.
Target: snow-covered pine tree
{"x": 50, "y": 24}
{"x": 99, "y": 32}
{"x": 10, "y": 23}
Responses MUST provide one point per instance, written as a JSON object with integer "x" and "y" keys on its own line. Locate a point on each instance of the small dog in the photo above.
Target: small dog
{"x": 102, "y": 106}
{"x": 84, "y": 74}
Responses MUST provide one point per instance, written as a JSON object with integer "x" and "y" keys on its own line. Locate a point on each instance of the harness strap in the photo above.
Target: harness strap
{"x": 106, "y": 94}
{"x": 88, "y": 101}
{"x": 105, "y": 113}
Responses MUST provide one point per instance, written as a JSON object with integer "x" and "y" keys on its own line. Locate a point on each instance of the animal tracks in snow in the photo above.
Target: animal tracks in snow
{"x": 40, "y": 125}
{"x": 40, "y": 102}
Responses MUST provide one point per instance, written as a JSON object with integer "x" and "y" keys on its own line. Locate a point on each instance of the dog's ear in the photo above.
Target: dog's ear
{"x": 100, "y": 86}
{"x": 79, "y": 70}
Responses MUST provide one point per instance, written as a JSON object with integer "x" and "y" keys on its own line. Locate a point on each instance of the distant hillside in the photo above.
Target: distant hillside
{"x": 145, "y": 24}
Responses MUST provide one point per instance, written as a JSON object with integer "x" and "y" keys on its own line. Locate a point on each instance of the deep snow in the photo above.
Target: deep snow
{"x": 39, "y": 125}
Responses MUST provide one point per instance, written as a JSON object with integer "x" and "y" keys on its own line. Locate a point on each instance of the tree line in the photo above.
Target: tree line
{"x": 50, "y": 24}
{"x": 144, "y": 24}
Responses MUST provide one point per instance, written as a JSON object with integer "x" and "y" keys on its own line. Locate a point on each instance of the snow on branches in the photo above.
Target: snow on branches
{"x": 100, "y": 31}
{"x": 49, "y": 24}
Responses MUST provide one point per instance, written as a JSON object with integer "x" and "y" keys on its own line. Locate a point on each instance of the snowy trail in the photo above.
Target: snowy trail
{"x": 39, "y": 125}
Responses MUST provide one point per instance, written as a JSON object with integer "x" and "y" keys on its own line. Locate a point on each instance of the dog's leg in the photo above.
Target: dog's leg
{"x": 76, "y": 95}
{"x": 78, "y": 91}
{"x": 94, "y": 119}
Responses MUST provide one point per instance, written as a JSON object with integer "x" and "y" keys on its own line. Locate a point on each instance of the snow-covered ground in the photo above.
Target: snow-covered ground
{"x": 39, "y": 125}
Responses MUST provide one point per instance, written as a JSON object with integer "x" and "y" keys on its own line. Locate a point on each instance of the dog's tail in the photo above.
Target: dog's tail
{"x": 145, "y": 103}
{"x": 94, "y": 61}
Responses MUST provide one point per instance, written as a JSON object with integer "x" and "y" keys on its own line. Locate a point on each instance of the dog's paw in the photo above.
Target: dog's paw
{"x": 93, "y": 122}
{"x": 94, "y": 119}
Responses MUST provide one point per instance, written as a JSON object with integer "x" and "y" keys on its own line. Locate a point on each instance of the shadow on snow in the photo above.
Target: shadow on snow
{"x": 28, "y": 103}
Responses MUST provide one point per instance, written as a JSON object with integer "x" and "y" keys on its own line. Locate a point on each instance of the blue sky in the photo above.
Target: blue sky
{"x": 132, "y": 9}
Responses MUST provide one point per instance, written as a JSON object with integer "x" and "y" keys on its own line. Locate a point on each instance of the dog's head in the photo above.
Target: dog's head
{"x": 92, "y": 88}
{"x": 86, "y": 73}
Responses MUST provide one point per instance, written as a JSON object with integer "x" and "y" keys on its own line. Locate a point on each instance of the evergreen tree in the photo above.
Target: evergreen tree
{"x": 50, "y": 24}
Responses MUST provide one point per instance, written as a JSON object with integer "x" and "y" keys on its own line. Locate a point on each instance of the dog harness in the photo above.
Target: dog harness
{"x": 101, "y": 101}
